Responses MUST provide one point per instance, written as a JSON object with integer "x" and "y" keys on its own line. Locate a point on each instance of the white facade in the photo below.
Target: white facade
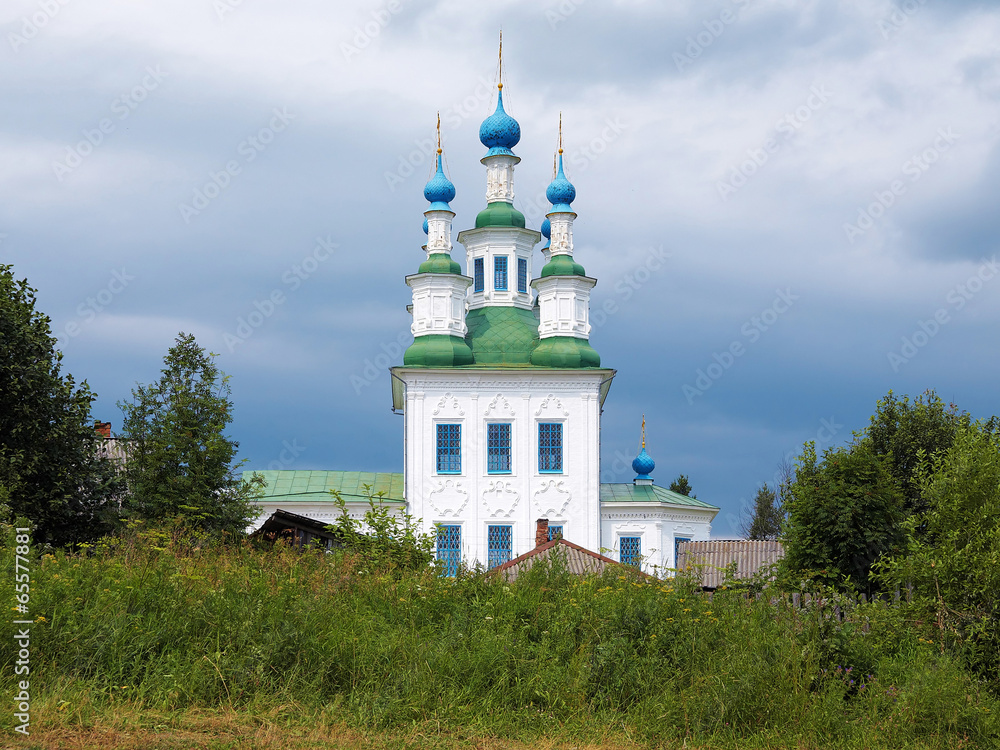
{"x": 476, "y": 498}
{"x": 659, "y": 526}
{"x": 438, "y": 304}
{"x": 564, "y": 306}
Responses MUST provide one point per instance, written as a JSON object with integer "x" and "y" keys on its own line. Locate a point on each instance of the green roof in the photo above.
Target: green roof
{"x": 648, "y": 493}
{"x": 315, "y": 486}
{"x": 565, "y": 351}
{"x": 436, "y": 350}
{"x": 499, "y": 214}
{"x": 501, "y": 335}
{"x": 440, "y": 263}
{"x": 562, "y": 265}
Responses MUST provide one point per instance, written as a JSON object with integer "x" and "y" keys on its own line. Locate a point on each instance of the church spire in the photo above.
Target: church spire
{"x": 500, "y": 133}
{"x": 563, "y": 287}
{"x": 439, "y": 289}
{"x": 643, "y": 464}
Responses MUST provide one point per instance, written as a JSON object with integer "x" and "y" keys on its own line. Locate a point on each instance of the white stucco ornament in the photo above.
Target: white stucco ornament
{"x": 552, "y": 499}
{"x": 448, "y": 498}
{"x": 500, "y": 499}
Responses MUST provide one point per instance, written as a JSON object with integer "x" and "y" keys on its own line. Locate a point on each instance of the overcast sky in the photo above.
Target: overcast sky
{"x": 790, "y": 207}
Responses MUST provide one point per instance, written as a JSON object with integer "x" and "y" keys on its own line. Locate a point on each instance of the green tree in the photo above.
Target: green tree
{"x": 384, "y": 540}
{"x": 49, "y": 457}
{"x": 180, "y": 461}
{"x": 843, "y": 513}
{"x": 767, "y": 516}
{"x": 908, "y": 432}
{"x": 954, "y": 566}
{"x": 682, "y": 487}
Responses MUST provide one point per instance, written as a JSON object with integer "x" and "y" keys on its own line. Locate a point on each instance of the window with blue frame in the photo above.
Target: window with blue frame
{"x": 477, "y": 265}
{"x": 677, "y": 548}
{"x": 449, "y": 449}
{"x": 499, "y": 545}
{"x": 498, "y": 448}
{"x": 630, "y": 550}
{"x": 555, "y": 531}
{"x": 522, "y": 275}
{"x": 449, "y": 548}
{"x": 550, "y": 448}
{"x": 500, "y": 273}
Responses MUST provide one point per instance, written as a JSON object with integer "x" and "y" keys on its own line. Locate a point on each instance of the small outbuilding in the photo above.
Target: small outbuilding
{"x": 716, "y": 556}
{"x": 296, "y": 530}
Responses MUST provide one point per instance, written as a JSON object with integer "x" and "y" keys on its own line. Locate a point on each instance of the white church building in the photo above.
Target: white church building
{"x": 502, "y": 394}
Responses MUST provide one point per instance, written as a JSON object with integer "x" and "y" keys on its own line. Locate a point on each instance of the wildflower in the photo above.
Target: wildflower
{"x": 41, "y": 618}
{"x": 670, "y": 619}
{"x": 686, "y": 610}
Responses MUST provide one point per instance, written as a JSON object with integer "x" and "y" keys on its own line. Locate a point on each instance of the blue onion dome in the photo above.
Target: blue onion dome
{"x": 439, "y": 189}
{"x": 427, "y": 229}
{"x": 499, "y": 132}
{"x": 560, "y": 191}
{"x": 547, "y": 232}
{"x": 643, "y": 465}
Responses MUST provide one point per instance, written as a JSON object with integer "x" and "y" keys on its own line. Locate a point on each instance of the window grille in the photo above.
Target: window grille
{"x": 499, "y": 545}
{"x": 498, "y": 448}
{"x": 630, "y": 550}
{"x": 449, "y": 548}
{"x": 500, "y": 273}
{"x": 478, "y": 273}
{"x": 550, "y": 447}
{"x": 449, "y": 448}
{"x": 522, "y": 275}
{"x": 555, "y": 531}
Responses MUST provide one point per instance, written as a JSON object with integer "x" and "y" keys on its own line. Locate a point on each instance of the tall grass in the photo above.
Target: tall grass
{"x": 161, "y": 625}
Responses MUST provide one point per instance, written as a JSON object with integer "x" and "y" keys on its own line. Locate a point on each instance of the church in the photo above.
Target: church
{"x": 502, "y": 393}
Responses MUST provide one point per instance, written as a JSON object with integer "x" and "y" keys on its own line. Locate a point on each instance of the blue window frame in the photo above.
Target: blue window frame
{"x": 522, "y": 275}
{"x": 677, "y": 548}
{"x": 630, "y": 550}
{"x": 449, "y": 449}
{"x": 500, "y": 273}
{"x": 498, "y": 448}
{"x": 550, "y": 438}
{"x": 498, "y": 545}
{"x": 555, "y": 531}
{"x": 477, "y": 265}
{"x": 449, "y": 548}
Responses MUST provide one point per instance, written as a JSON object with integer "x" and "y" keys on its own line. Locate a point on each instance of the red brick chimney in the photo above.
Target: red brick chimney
{"x": 541, "y": 531}
{"x": 103, "y": 429}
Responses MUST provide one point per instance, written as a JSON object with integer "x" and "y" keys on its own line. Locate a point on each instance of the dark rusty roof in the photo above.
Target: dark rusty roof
{"x": 298, "y": 529}
{"x": 578, "y": 560}
{"x": 749, "y": 555}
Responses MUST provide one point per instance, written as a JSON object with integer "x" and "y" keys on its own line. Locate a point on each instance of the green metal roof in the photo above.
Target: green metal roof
{"x": 499, "y": 214}
{"x": 648, "y": 493}
{"x": 315, "y": 486}
{"x": 501, "y": 335}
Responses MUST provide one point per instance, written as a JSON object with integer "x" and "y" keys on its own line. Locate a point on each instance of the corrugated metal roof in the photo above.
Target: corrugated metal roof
{"x": 315, "y": 486}
{"x": 749, "y": 556}
{"x": 648, "y": 493}
{"x": 578, "y": 560}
